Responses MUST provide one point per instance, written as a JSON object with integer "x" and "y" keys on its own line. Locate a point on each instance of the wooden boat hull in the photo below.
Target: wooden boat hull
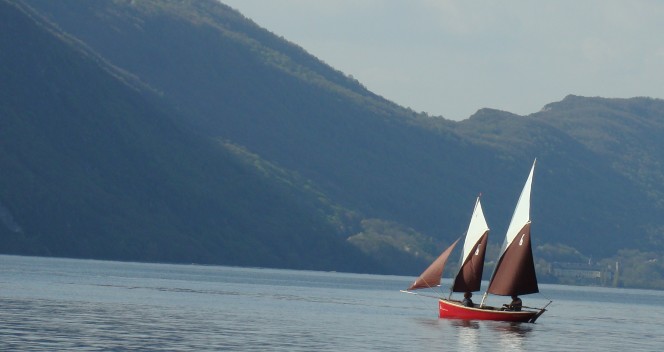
{"x": 455, "y": 310}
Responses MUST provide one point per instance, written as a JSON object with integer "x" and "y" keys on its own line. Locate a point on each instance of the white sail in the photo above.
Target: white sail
{"x": 476, "y": 229}
{"x": 521, "y": 214}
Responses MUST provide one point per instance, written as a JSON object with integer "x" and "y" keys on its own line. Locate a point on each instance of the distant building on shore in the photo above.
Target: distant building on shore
{"x": 583, "y": 273}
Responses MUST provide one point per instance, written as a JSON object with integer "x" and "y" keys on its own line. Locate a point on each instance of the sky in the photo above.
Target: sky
{"x": 452, "y": 58}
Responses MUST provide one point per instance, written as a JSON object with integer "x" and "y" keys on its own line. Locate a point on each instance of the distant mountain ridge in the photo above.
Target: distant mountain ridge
{"x": 193, "y": 135}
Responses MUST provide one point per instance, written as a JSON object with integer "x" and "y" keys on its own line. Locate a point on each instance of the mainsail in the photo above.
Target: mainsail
{"x": 431, "y": 276}
{"x": 469, "y": 277}
{"x": 515, "y": 272}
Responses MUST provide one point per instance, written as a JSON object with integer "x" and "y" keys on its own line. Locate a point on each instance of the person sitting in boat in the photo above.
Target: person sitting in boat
{"x": 466, "y": 299}
{"x": 515, "y": 305}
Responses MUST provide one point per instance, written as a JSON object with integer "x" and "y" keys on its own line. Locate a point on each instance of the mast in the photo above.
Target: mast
{"x": 469, "y": 277}
{"x": 514, "y": 273}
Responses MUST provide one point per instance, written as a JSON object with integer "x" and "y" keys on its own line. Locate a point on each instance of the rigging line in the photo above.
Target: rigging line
{"x": 433, "y": 287}
{"x": 547, "y": 298}
{"x": 419, "y": 294}
{"x": 440, "y": 288}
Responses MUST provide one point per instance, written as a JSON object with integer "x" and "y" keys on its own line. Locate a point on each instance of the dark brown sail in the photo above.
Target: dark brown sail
{"x": 432, "y": 275}
{"x": 469, "y": 278}
{"x": 515, "y": 271}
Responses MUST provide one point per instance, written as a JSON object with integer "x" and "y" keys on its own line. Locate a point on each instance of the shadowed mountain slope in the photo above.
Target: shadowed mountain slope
{"x": 94, "y": 167}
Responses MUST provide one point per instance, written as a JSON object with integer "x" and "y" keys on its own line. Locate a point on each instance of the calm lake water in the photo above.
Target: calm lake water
{"x": 61, "y": 304}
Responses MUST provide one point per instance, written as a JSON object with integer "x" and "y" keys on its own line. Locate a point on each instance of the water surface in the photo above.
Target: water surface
{"x": 85, "y": 305}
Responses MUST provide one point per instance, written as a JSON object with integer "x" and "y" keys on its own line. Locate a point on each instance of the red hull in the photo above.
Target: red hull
{"x": 455, "y": 310}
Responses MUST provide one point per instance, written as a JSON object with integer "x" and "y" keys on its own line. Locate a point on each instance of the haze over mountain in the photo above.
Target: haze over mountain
{"x": 182, "y": 131}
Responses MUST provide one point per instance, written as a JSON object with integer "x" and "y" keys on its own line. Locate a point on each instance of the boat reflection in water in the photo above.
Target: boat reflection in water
{"x": 512, "y": 335}
{"x": 469, "y": 334}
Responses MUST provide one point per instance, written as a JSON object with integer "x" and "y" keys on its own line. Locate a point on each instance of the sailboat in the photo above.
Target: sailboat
{"x": 514, "y": 274}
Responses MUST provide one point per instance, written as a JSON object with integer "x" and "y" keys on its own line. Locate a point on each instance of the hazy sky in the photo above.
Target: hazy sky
{"x": 452, "y": 58}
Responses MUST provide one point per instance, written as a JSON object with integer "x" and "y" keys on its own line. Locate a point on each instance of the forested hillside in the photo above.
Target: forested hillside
{"x": 94, "y": 167}
{"x": 132, "y": 125}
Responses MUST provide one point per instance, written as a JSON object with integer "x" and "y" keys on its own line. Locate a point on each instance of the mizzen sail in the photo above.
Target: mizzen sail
{"x": 432, "y": 275}
{"x": 515, "y": 271}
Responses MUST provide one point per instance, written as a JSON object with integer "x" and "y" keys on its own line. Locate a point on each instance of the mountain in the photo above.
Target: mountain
{"x": 586, "y": 202}
{"x": 183, "y": 124}
{"x": 95, "y": 167}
